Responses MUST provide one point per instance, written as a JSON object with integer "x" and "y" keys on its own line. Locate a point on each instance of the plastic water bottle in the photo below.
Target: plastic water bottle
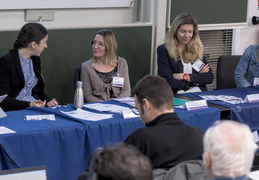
{"x": 79, "y": 95}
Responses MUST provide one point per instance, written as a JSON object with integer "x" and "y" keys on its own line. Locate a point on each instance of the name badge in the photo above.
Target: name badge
{"x": 198, "y": 65}
{"x": 118, "y": 81}
{"x": 256, "y": 81}
{"x": 251, "y": 98}
{"x": 193, "y": 105}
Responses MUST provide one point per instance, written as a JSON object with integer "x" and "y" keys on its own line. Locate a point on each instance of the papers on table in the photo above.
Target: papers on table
{"x": 2, "y": 113}
{"x": 106, "y": 107}
{"x": 223, "y": 98}
{"x": 256, "y": 138}
{"x": 130, "y": 113}
{"x": 4, "y": 130}
{"x": 128, "y": 100}
{"x": 179, "y": 102}
{"x": 87, "y": 115}
{"x": 40, "y": 117}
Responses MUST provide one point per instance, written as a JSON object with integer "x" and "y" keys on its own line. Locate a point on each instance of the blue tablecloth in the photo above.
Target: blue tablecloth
{"x": 244, "y": 112}
{"x": 64, "y": 145}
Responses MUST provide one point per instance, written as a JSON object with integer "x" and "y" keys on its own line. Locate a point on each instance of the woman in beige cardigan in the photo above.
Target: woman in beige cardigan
{"x": 105, "y": 75}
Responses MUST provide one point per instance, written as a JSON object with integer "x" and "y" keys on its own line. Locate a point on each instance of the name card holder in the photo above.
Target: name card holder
{"x": 193, "y": 105}
{"x": 2, "y": 113}
{"x": 251, "y": 98}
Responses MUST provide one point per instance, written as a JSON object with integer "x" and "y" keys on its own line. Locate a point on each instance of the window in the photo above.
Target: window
{"x": 216, "y": 43}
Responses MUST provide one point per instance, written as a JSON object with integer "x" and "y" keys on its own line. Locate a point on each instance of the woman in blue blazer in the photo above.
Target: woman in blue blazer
{"x": 181, "y": 60}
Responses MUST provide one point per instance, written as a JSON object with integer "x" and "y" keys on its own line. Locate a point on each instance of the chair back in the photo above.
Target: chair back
{"x": 226, "y": 71}
{"x": 188, "y": 170}
{"x": 77, "y": 76}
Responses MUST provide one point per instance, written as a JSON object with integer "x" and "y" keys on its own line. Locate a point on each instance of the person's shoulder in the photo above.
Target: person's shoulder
{"x": 7, "y": 55}
{"x": 87, "y": 63}
{"x": 161, "y": 47}
{"x": 121, "y": 59}
{"x": 253, "y": 46}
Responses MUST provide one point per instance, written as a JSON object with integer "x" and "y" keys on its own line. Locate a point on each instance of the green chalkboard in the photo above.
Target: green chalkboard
{"x": 211, "y": 11}
{"x": 69, "y": 48}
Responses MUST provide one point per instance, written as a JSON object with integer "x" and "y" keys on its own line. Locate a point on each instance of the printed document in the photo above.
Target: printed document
{"x": 87, "y": 115}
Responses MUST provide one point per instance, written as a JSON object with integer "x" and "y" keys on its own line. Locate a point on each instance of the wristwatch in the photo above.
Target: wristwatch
{"x": 185, "y": 77}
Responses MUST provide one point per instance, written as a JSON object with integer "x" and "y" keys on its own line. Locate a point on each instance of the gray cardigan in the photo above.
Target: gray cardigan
{"x": 95, "y": 90}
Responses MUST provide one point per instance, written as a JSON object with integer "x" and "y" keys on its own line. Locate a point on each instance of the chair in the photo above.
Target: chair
{"x": 191, "y": 170}
{"x": 226, "y": 70}
{"x": 77, "y": 76}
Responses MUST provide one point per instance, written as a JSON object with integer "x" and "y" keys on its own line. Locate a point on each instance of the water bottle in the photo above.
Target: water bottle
{"x": 79, "y": 95}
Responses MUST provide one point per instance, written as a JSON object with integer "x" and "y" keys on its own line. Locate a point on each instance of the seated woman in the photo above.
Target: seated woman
{"x": 105, "y": 75}
{"x": 247, "y": 70}
{"x": 20, "y": 70}
{"x": 181, "y": 60}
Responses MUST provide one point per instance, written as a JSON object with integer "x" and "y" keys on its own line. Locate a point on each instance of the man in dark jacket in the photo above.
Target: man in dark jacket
{"x": 166, "y": 140}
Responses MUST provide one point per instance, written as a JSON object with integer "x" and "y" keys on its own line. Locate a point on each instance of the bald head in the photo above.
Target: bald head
{"x": 229, "y": 149}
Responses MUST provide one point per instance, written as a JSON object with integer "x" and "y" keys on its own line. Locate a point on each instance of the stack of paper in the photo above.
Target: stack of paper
{"x": 106, "y": 107}
{"x": 87, "y": 115}
{"x": 128, "y": 100}
{"x": 130, "y": 113}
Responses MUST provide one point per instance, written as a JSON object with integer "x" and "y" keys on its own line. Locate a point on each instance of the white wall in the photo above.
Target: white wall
{"x": 153, "y": 11}
{"x": 250, "y": 35}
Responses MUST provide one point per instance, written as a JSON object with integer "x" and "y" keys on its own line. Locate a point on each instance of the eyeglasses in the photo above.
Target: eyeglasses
{"x": 99, "y": 44}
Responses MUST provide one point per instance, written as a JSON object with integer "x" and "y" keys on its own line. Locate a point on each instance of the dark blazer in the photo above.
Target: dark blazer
{"x": 167, "y": 66}
{"x": 12, "y": 81}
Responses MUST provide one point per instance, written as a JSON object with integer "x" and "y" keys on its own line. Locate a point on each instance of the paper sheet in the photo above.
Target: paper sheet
{"x": 128, "y": 100}
{"x": 5, "y": 130}
{"x": 223, "y": 98}
{"x": 130, "y": 113}
{"x": 87, "y": 115}
{"x": 106, "y": 107}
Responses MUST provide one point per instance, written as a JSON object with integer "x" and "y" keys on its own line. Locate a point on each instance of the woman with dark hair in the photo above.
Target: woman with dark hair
{"x": 105, "y": 75}
{"x": 20, "y": 71}
{"x": 181, "y": 59}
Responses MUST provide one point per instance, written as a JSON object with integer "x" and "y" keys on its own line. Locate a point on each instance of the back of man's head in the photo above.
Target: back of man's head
{"x": 156, "y": 90}
{"x": 122, "y": 162}
{"x": 228, "y": 149}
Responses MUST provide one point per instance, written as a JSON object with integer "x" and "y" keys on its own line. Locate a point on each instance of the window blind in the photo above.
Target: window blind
{"x": 216, "y": 43}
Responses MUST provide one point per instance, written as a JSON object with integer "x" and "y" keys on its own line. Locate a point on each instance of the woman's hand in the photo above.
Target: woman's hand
{"x": 52, "y": 103}
{"x": 38, "y": 103}
{"x": 179, "y": 76}
{"x": 205, "y": 69}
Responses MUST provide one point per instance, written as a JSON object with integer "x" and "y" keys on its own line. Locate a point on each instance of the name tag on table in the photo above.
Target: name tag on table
{"x": 256, "y": 81}
{"x": 251, "y": 98}
{"x": 118, "y": 81}
{"x": 198, "y": 65}
{"x": 193, "y": 105}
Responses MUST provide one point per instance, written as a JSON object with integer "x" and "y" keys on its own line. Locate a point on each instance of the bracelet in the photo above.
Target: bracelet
{"x": 185, "y": 77}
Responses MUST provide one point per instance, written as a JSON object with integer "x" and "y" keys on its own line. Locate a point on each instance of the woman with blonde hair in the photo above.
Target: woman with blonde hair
{"x": 181, "y": 60}
{"x": 105, "y": 75}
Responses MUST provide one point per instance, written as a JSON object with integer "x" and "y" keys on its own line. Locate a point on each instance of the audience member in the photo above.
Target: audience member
{"x": 166, "y": 140}
{"x": 229, "y": 151}
{"x": 105, "y": 75}
{"x": 20, "y": 70}
{"x": 121, "y": 162}
{"x": 181, "y": 60}
{"x": 247, "y": 70}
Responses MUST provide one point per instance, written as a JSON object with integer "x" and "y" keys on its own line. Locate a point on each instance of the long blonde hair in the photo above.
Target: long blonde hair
{"x": 194, "y": 49}
{"x": 110, "y": 45}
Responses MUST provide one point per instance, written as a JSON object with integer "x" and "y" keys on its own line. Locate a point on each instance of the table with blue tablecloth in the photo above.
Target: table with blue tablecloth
{"x": 243, "y": 112}
{"x": 65, "y": 144}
